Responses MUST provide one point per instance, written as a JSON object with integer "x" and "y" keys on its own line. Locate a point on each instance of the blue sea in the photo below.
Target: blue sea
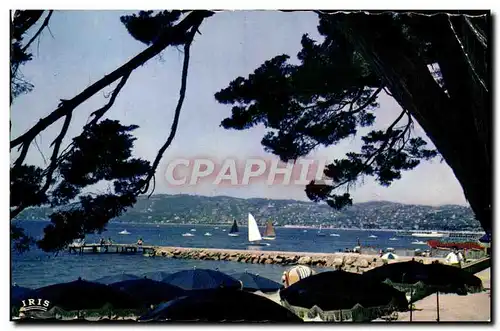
{"x": 35, "y": 268}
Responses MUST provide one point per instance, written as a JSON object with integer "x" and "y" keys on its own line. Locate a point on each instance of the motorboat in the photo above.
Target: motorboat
{"x": 208, "y": 234}
{"x": 187, "y": 234}
{"x": 124, "y": 232}
{"x": 372, "y": 236}
{"x": 334, "y": 235}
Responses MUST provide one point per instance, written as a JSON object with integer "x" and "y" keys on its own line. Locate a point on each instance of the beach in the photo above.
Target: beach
{"x": 474, "y": 307}
{"x": 452, "y": 308}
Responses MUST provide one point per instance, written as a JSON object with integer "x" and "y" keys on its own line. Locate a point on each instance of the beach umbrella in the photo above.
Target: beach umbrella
{"x": 389, "y": 256}
{"x": 252, "y": 282}
{"x": 148, "y": 291}
{"x": 19, "y": 293}
{"x": 486, "y": 238}
{"x": 85, "y": 295}
{"x": 202, "y": 279}
{"x": 295, "y": 274}
{"x": 159, "y": 276}
{"x": 420, "y": 280}
{"x": 221, "y": 305}
{"x": 342, "y": 296}
{"x": 106, "y": 280}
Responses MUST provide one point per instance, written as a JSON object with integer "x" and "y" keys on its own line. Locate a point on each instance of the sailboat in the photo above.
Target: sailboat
{"x": 124, "y": 232}
{"x": 269, "y": 234}
{"x": 320, "y": 234}
{"x": 234, "y": 232}
{"x": 254, "y": 236}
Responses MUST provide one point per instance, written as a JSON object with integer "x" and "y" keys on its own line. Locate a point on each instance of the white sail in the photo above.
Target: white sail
{"x": 253, "y": 229}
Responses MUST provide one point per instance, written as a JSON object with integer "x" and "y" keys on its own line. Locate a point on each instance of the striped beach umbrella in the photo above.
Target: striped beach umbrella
{"x": 295, "y": 274}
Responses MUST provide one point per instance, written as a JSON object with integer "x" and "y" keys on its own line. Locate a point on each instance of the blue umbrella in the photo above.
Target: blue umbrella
{"x": 486, "y": 238}
{"x": 19, "y": 293}
{"x": 82, "y": 295}
{"x": 148, "y": 291}
{"x": 106, "y": 280}
{"x": 252, "y": 282}
{"x": 202, "y": 279}
{"x": 159, "y": 276}
{"x": 339, "y": 295}
{"x": 221, "y": 305}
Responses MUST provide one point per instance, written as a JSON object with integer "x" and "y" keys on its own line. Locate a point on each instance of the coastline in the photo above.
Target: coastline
{"x": 306, "y": 227}
{"x": 353, "y": 262}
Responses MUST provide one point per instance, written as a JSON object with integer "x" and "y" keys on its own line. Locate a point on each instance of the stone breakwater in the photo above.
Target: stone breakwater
{"x": 353, "y": 262}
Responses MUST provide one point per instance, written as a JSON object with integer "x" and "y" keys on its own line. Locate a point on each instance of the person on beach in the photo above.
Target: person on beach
{"x": 139, "y": 242}
{"x": 110, "y": 242}
{"x": 102, "y": 241}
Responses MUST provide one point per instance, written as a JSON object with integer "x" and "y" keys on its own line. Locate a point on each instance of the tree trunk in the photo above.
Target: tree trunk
{"x": 457, "y": 120}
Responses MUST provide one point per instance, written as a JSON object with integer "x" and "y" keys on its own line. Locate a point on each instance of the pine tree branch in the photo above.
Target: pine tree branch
{"x": 182, "y": 94}
{"x": 67, "y": 106}
{"x": 98, "y": 114}
{"x": 43, "y": 26}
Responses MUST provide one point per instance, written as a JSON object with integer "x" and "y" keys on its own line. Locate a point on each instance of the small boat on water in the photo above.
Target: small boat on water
{"x": 124, "y": 232}
{"x": 269, "y": 233}
{"x": 304, "y": 231}
{"x": 372, "y": 236}
{"x": 393, "y": 239}
{"x": 432, "y": 234}
{"x": 187, "y": 234}
{"x": 208, "y": 234}
{"x": 234, "y": 232}
{"x": 193, "y": 230}
{"x": 216, "y": 228}
{"x": 254, "y": 236}
{"x": 223, "y": 230}
{"x": 320, "y": 233}
{"x": 334, "y": 235}
{"x": 419, "y": 242}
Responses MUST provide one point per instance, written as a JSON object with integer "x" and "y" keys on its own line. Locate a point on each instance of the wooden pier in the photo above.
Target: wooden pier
{"x": 112, "y": 248}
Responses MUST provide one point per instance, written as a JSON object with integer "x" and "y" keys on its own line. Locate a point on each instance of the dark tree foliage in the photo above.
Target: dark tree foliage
{"x": 102, "y": 153}
{"x": 22, "y": 21}
{"x": 147, "y": 27}
{"x": 334, "y": 90}
{"x": 320, "y": 102}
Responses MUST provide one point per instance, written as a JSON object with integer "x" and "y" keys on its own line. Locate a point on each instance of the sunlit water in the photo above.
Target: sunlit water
{"x": 35, "y": 268}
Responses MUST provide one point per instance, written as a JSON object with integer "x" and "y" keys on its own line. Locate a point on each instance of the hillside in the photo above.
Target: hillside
{"x": 193, "y": 209}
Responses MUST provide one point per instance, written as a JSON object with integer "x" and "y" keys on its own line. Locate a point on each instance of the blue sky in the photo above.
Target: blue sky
{"x": 86, "y": 45}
